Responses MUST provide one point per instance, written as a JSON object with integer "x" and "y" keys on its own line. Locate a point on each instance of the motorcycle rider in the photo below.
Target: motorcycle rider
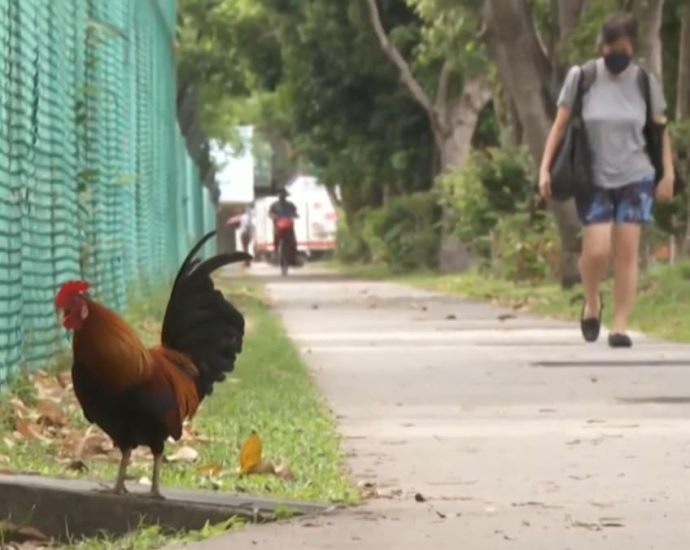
{"x": 283, "y": 208}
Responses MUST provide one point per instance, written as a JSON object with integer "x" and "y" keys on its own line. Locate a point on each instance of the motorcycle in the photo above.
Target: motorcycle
{"x": 285, "y": 236}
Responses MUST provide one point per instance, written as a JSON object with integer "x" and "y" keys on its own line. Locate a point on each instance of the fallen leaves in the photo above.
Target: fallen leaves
{"x": 370, "y": 490}
{"x": 251, "y": 461}
{"x": 50, "y": 413}
{"x": 209, "y": 470}
{"x": 250, "y": 455}
{"x": 51, "y": 416}
{"x": 183, "y": 454}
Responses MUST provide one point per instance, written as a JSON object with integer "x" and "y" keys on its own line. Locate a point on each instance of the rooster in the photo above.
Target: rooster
{"x": 141, "y": 396}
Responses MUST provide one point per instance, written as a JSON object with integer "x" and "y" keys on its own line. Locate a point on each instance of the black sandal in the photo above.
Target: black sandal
{"x": 619, "y": 340}
{"x": 591, "y": 327}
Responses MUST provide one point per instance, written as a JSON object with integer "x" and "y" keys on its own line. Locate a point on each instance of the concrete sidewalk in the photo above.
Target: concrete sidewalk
{"x": 509, "y": 430}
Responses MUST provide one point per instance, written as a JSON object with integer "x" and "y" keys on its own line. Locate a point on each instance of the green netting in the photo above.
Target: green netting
{"x": 95, "y": 180}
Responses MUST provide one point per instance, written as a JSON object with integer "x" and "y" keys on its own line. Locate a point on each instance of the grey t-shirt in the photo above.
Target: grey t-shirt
{"x": 614, "y": 113}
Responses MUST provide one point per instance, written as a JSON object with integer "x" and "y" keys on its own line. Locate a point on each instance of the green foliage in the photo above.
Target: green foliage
{"x": 313, "y": 73}
{"x": 492, "y": 183}
{"x": 312, "y": 77}
{"x": 406, "y": 232}
{"x": 525, "y": 247}
{"x": 672, "y": 218}
{"x": 404, "y": 235}
{"x": 351, "y": 245}
{"x": 581, "y": 44}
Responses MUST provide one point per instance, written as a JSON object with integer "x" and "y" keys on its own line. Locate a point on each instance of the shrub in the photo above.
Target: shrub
{"x": 351, "y": 247}
{"x": 672, "y": 218}
{"x": 525, "y": 248}
{"x": 491, "y": 184}
{"x": 404, "y": 235}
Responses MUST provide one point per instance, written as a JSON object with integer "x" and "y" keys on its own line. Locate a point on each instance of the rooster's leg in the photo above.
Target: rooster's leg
{"x": 155, "y": 483}
{"x": 120, "y": 488}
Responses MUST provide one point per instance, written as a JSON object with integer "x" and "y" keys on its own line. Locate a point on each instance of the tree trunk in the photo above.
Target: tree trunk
{"x": 683, "y": 106}
{"x": 569, "y": 15}
{"x": 650, "y": 14}
{"x": 569, "y": 12}
{"x": 460, "y": 123}
{"x": 525, "y": 74}
{"x": 452, "y": 122}
{"x": 683, "y": 88}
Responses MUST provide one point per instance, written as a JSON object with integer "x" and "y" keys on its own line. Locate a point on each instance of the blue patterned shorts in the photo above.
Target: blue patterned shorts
{"x": 629, "y": 204}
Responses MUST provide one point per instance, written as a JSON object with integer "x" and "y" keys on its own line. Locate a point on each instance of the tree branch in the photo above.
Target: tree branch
{"x": 569, "y": 13}
{"x": 443, "y": 84}
{"x": 405, "y": 72}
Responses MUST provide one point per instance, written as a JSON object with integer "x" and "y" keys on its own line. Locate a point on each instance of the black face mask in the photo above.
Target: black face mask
{"x": 617, "y": 62}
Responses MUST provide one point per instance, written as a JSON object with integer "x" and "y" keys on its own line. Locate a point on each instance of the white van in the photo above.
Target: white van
{"x": 315, "y": 228}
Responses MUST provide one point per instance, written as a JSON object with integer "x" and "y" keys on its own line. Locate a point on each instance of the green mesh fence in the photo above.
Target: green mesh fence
{"x": 95, "y": 180}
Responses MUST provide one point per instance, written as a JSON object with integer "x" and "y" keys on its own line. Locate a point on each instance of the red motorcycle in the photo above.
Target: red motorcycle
{"x": 285, "y": 239}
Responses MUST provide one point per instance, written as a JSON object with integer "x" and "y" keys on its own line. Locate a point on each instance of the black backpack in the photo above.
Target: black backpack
{"x": 571, "y": 173}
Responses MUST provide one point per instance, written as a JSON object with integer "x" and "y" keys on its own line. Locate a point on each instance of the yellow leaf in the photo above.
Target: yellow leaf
{"x": 250, "y": 456}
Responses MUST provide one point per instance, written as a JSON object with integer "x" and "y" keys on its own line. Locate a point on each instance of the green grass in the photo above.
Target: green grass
{"x": 151, "y": 537}
{"x": 658, "y": 311}
{"x": 270, "y": 391}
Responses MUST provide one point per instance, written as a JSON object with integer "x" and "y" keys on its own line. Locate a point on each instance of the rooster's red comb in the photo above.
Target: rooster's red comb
{"x": 69, "y": 289}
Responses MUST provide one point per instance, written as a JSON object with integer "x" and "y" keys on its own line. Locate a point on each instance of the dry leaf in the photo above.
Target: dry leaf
{"x": 27, "y": 430}
{"x": 250, "y": 455}
{"x": 208, "y": 470}
{"x": 47, "y": 386}
{"x": 183, "y": 454}
{"x": 65, "y": 379}
{"x": 19, "y": 409}
{"x": 50, "y": 413}
{"x": 284, "y": 471}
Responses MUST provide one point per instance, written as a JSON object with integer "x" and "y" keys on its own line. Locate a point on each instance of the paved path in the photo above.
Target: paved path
{"x": 517, "y": 434}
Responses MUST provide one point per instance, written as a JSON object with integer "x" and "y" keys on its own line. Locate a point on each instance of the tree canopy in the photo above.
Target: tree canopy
{"x": 382, "y": 96}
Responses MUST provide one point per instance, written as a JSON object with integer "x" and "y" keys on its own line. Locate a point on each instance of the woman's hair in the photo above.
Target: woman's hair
{"x": 617, "y": 26}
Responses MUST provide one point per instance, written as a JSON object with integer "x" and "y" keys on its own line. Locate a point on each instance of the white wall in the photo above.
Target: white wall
{"x": 235, "y": 173}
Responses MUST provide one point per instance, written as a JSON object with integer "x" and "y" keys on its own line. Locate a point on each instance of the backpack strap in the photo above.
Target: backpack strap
{"x": 645, "y": 89}
{"x": 588, "y": 74}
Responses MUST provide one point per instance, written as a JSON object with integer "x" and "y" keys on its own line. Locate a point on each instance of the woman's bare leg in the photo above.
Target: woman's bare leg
{"x": 626, "y": 254}
{"x": 594, "y": 260}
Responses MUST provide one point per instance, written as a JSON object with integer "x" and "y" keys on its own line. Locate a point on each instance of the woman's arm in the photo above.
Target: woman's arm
{"x": 667, "y": 149}
{"x": 553, "y": 141}
{"x": 664, "y": 190}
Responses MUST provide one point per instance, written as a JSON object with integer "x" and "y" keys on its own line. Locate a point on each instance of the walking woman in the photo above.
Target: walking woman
{"x": 614, "y": 114}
